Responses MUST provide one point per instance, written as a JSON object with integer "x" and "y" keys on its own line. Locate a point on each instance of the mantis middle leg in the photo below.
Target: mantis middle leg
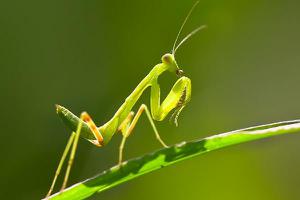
{"x": 128, "y": 125}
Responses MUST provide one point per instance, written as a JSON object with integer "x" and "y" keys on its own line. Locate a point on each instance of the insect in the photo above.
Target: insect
{"x": 124, "y": 120}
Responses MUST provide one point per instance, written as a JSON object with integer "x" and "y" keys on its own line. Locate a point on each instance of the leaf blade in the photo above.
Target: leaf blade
{"x": 168, "y": 156}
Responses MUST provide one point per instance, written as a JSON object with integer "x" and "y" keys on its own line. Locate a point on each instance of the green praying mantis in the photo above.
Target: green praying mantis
{"x": 124, "y": 120}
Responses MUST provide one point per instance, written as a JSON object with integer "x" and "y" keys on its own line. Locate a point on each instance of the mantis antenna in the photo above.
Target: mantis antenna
{"x": 190, "y": 34}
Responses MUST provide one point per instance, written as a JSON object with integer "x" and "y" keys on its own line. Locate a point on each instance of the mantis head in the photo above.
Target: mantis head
{"x": 169, "y": 60}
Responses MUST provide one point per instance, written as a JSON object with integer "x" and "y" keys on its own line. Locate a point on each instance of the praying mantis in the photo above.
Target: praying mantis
{"x": 124, "y": 120}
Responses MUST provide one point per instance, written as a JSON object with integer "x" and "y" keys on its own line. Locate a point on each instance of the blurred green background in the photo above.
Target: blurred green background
{"x": 89, "y": 55}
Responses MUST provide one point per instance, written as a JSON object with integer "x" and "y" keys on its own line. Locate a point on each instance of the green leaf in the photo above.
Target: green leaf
{"x": 168, "y": 156}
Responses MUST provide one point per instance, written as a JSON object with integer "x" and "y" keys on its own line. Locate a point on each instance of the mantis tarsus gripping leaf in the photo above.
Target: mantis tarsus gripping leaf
{"x": 124, "y": 120}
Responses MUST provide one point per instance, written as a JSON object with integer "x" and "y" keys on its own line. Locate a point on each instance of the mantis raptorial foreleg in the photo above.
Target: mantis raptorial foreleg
{"x": 178, "y": 97}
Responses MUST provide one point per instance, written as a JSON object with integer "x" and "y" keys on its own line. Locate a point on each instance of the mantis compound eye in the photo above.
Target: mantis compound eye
{"x": 167, "y": 58}
{"x": 179, "y": 72}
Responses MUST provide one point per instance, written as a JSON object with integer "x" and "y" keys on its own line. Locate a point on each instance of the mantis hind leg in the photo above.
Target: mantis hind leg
{"x": 73, "y": 142}
{"x": 128, "y": 125}
{"x": 72, "y": 155}
{"x": 57, "y": 172}
{"x": 98, "y": 142}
